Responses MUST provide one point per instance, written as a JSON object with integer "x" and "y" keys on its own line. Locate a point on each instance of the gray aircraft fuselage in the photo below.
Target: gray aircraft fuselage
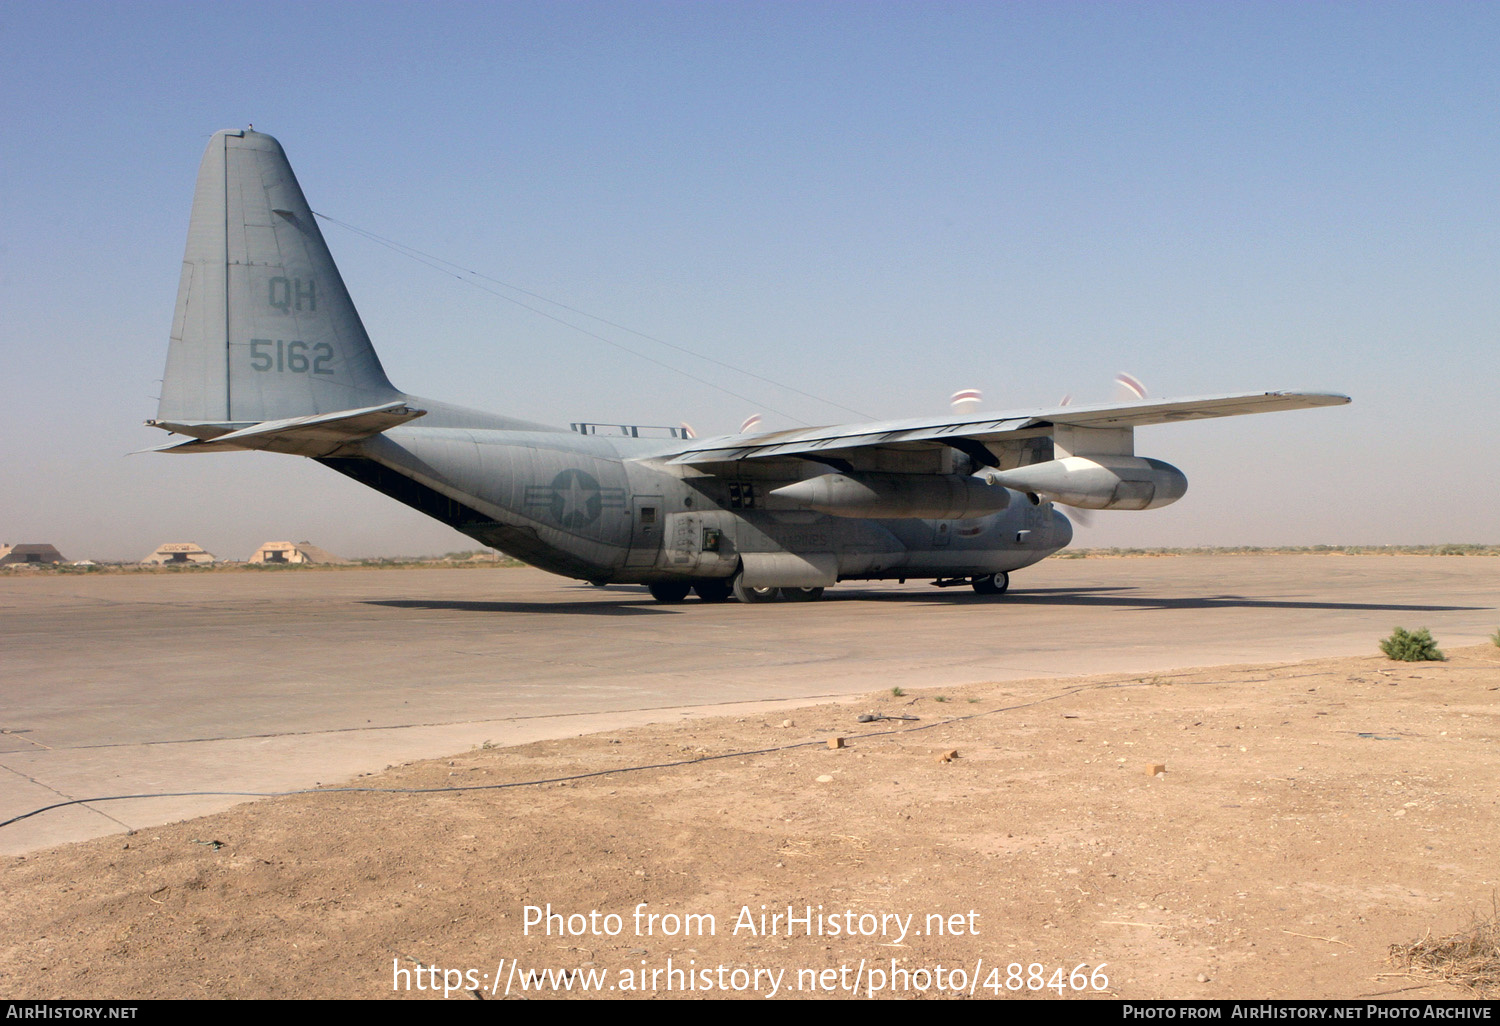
{"x": 597, "y": 508}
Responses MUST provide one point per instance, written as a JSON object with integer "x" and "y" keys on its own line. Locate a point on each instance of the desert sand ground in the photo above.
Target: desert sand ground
{"x": 1310, "y": 815}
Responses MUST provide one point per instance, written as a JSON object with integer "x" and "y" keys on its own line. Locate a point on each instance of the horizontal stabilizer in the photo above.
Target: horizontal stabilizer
{"x": 315, "y": 435}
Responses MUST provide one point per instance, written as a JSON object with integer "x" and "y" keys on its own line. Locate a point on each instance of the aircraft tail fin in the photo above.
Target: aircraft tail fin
{"x": 264, "y": 328}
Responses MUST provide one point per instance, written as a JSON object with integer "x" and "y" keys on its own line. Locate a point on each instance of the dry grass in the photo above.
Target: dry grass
{"x": 1469, "y": 958}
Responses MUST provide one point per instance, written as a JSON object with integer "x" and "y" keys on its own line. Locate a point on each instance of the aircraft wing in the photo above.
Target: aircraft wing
{"x": 846, "y": 444}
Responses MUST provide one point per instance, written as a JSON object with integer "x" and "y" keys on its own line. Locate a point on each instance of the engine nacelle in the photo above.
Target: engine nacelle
{"x": 932, "y": 496}
{"x": 1099, "y": 482}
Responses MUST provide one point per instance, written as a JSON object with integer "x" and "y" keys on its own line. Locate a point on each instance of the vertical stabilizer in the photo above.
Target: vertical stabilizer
{"x": 264, "y": 328}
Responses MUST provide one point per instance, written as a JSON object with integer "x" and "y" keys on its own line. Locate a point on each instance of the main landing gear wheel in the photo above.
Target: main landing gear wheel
{"x": 802, "y": 594}
{"x": 747, "y": 594}
{"x": 669, "y": 591}
{"x": 713, "y": 590}
{"x": 994, "y": 584}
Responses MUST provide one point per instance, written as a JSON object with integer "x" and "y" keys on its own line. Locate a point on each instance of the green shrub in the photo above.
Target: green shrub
{"x": 1412, "y": 646}
{"x": 1496, "y": 637}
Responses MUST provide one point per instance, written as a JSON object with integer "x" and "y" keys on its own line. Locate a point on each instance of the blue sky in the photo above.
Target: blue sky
{"x": 877, "y": 203}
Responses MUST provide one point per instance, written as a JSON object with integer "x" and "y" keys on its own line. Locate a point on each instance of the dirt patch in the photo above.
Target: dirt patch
{"x": 1309, "y": 817}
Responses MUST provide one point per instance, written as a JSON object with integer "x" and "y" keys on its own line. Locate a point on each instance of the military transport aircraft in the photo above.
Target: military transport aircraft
{"x": 267, "y": 352}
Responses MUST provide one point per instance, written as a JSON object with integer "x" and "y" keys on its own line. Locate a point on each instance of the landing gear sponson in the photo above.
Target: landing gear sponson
{"x": 720, "y": 590}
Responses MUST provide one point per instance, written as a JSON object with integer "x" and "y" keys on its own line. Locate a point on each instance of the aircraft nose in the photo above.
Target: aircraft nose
{"x": 1062, "y": 529}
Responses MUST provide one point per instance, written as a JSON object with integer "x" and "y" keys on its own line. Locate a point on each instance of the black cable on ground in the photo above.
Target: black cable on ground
{"x": 595, "y": 773}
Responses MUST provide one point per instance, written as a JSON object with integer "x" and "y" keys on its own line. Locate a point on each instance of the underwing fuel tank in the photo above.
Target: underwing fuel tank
{"x": 1100, "y": 482}
{"x": 934, "y": 497}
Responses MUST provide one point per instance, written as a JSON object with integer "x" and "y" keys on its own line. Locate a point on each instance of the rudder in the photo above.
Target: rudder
{"x": 264, "y": 328}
